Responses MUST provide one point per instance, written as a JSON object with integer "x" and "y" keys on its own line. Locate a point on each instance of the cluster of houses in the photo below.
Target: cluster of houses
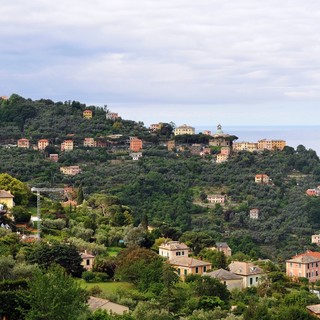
{"x": 264, "y": 144}
{"x": 313, "y": 192}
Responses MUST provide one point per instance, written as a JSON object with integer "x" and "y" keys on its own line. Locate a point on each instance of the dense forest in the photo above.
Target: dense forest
{"x": 118, "y": 199}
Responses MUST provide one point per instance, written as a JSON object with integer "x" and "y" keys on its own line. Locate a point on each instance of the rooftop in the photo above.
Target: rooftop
{"x": 222, "y": 274}
{"x": 174, "y": 245}
{"x": 244, "y": 268}
{"x": 5, "y": 194}
{"x": 188, "y": 262}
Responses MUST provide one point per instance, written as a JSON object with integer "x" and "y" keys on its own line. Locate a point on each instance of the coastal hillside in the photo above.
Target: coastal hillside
{"x": 167, "y": 188}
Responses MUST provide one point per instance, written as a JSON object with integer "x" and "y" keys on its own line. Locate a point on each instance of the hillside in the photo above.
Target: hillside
{"x": 168, "y": 188}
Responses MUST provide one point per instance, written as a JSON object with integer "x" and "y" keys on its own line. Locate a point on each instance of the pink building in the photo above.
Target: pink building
{"x": 262, "y": 178}
{"x": 23, "y": 143}
{"x": 305, "y": 265}
{"x": 217, "y": 198}
{"x": 89, "y": 142}
{"x": 70, "y": 170}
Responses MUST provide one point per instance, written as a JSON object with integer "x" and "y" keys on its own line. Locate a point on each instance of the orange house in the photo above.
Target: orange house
{"x": 135, "y": 144}
{"x": 67, "y": 145}
{"x": 87, "y": 114}
{"x": 262, "y": 178}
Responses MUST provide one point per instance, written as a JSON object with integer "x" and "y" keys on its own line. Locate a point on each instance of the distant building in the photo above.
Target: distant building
{"x": 67, "y": 145}
{"x": 305, "y": 265}
{"x": 315, "y": 239}
{"x": 265, "y": 144}
{"x": 173, "y": 249}
{"x": 221, "y": 158}
{"x": 135, "y": 144}
{"x": 112, "y": 115}
{"x": 87, "y": 114}
{"x": 42, "y": 144}
{"x": 245, "y": 146}
{"x": 207, "y": 132}
{"x": 23, "y": 143}
{"x": 103, "y": 304}
{"x": 223, "y": 247}
{"x": 250, "y": 273}
{"x": 231, "y": 280}
{"x": 89, "y": 142}
{"x": 314, "y": 310}
{"x": 136, "y": 155}
{"x": 186, "y": 266}
{"x": 262, "y": 179}
{"x": 254, "y": 213}
{"x": 221, "y": 139}
{"x": 54, "y": 157}
{"x": 184, "y": 129}
{"x": 70, "y": 170}
{"x": 217, "y": 198}
{"x": 155, "y": 127}
{"x": 313, "y": 192}
{"x": 6, "y": 198}
{"x": 87, "y": 260}
{"x": 195, "y": 149}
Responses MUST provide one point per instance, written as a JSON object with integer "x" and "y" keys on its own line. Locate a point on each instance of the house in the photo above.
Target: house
{"x": 314, "y": 310}
{"x": 231, "y": 280}
{"x": 195, "y": 149}
{"x": 89, "y": 142}
{"x": 70, "y": 170}
{"x": 250, "y": 273}
{"x": 262, "y": 179}
{"x": 103, "y": 304}
{"x": 23, "y": 143}
{"x": 173, "y": 249}
{"x": 305, "y": 265}
{"x": 112, "y": 115}
{"x": 87, "y": 114}
{"x": 87, "y": 260}
{"x": 221, "y": 139}
{"x": 315, "y": 239}
{"x": 223, "y": 247}
{"x": 245, "y": 146}
{"x": 42, "y": 144}
{"x": 186, "y": 266}
{"x": 207, "y": 132}
{"x": 217, "y": 198}
{"x": 265, "y": 144}
{"x": 136, "y": 155}
{"x": 135, "y": 144}
{"x": 313, "y": 192}
{"x": 254, "y": 213}
{"x": 6, "y": 198}
{"x": 54, "y": 157}
{"x": 184, "y": 129}
{"x": 67, "y": 145}
{"x": 155, "y": 127}
{"x": 221, "y": 158}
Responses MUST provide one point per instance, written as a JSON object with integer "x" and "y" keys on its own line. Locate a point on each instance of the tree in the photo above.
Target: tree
{"x": 20, "y": 191}
{"x": 66, "y": 255}
{"x": 80, "y": 196}
{"x": 54, "y": 295}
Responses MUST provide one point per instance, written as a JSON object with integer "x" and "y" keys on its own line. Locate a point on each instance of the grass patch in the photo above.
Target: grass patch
{"x": 113, "y": 251}
{"x": 107, "y": 287}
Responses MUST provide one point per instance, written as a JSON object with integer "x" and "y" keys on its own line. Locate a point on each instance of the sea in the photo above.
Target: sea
{"x": 308, "y": 136}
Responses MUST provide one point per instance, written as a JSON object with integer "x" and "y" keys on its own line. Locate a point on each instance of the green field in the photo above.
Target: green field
{"x": 107, "y": 287}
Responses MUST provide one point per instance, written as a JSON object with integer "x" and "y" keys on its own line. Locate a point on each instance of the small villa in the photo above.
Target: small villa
{"x": 231, "y": 280}
{"x": 6, "y": 198}
{"x": 87, "y": 260}
{"x": 173, "y": 249}
{"x": 87, "y": 114}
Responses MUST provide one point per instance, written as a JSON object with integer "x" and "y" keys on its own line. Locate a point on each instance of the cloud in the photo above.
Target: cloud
{"x": 177, "y": 52}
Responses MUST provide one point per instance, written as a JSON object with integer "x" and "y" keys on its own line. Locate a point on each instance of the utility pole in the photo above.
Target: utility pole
{"x": 39, "y": 190}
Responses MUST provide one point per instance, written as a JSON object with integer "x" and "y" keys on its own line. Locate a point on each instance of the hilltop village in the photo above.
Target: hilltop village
{"x": 184, "y": 225}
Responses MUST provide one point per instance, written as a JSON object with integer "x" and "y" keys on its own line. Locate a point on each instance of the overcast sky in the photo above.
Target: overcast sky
{"x": 198, "y": 62}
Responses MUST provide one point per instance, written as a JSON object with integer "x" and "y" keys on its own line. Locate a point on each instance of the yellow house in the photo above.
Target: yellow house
{"x": 186, "y": 266}
{"x": 87, "y": 114}
{"x": 87, "y": 260}
{"x": 6, "y": 198}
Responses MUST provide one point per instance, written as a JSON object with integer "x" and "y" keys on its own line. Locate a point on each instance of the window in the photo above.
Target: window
{"x": 88, "y": 262}
{"x": 204, "y": 269}
{"x": 179, "y": 271}
{"x": 182, "y": 253}
{"x": 197, "y": 270}
{"x": 178, "y": 253}
{"x": 185, "y": 272}
{"x": 257, "y": 279}
{"x": 251, "y": 281}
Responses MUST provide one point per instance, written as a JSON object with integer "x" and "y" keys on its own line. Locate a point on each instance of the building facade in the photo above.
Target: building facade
{"x": 67, "y": 145}
{"x": 23, "y": 143}
{"x": 184, "y": 129}
{"x": 305, "y": 265}
{"x": 262, "y": 179}
{"x": 89, "y": 142}
{"x": 87, "y": 114}
{"x": 6, "y": 198}
{"x": 173, "y": 249}
{"x": 42, "y": 144}
{"x": 70, "y": 170}
{"x": 135, "y": 144}
{"x": 217, "y": 198}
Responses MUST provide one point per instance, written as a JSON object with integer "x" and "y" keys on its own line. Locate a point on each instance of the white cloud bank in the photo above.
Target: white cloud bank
{"x": 238, "y": 60}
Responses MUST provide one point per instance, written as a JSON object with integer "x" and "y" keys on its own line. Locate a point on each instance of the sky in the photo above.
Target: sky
{"x": 197, "y": 62}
